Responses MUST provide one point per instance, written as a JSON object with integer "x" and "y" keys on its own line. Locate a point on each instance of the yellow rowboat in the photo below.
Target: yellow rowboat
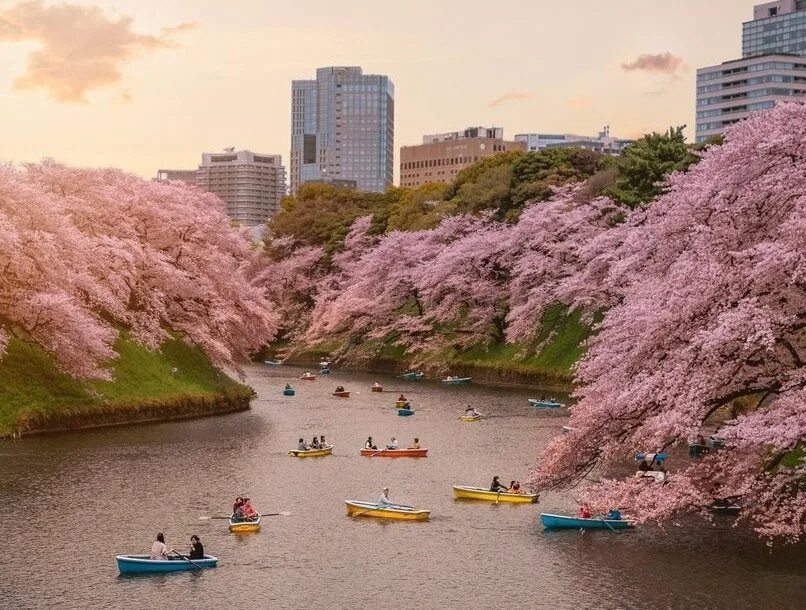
{"x": 311, "y": 452}
{"x": 479, "y": 493}
{"x": 244, "y": 527}
{"x": 356, "y": 508}
{"x": 470, "y": 418}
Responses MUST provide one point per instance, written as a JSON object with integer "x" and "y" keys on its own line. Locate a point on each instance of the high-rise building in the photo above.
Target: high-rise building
{"x": 342, "y": 128}
{"x": 250, "y": 184}
{"x": 603, "y": 143}
{"x": 772, "y": 69}
{"x": 441, "y": 156}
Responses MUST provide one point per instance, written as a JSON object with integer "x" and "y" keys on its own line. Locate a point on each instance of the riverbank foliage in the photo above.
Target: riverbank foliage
{"x": 34, "y": 391}
{"x": 694, "y": 290}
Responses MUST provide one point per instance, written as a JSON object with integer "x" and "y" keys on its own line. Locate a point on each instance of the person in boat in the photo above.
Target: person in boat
{"x": 497, "y": 486}
{"x": 644, "y": 466}
{"x": 249, "y": 512}
{"x": 288, "y": 386}
{"x": 376, "y": 385}
{"x": 700, "y": 440}
{"x": 369, "y": 444}
{"x": 315, "y": 443}
{"x": 301, "y": 446}
{"x": 159, "y": 552}
{"x": 392, "y": 444}
{"x": 614, "y": 514}
{"x": 585, "y": 511}
{"x": 322, "y": 443}
{"x": 238, "y": 514}
{"x": 239, "y": 502}
{"x": 384, "y": 499}
{"x": 402, "y": 398}
{"x": 339, "y": 388}
{"x": 514, "y": 487}
{"x": 196, "y": 548}
{"x": 471, "y": 412}
{"x": 415, "y": 444}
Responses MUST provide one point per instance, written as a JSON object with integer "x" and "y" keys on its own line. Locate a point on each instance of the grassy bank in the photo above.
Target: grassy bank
{"x": 548, "y": 361}
{"x": 36, "y": 396}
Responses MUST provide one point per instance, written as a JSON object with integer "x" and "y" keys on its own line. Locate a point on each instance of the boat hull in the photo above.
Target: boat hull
{"x": 342, "y": 394}
{"x": 311, "y": 378}
{"x": 244, "y": 527}
{"x": 402, "y": 404}
{"x": 412, "y": 376}
{"x": 459, "y": 381}
{"x": 141, "y": 564}
{"x": 395, "y": 512}
{"x": 470, "y": 418}
{"x": 328, "y": 450}
{"x": 377, "y": 389}
{"x": 405, "y": 412}
{"x": 545, "y": 404}
{"x": 479, "y": 493}
{"x": 288, "y": 392}
{"x": 395, "y": 453}
{"x": 559, "y": 522}
{"x": 325, "y": 372}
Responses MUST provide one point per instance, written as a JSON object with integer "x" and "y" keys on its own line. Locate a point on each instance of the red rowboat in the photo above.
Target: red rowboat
{"x": 394, "y": 452}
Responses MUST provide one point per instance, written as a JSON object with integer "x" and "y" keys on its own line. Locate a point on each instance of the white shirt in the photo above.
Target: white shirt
{"x": 392, "y": 445}
{"x": 159, "y": 550}
{"x": 384, "y": 499}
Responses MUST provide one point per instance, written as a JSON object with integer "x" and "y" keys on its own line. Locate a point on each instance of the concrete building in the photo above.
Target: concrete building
{"x": 441, "y": 156}
{"x": 250, "y": 184}
{"x": 603, "y": 143}
{"x": 342, "y": 128}
{"x": 772, "y": 69}
{"x": 187, "y": 176}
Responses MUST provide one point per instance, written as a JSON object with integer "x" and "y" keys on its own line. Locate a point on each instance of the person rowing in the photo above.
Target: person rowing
{"x": 159, "y": 552}
{"x": 614, "y": 515}
{"x": 238, "y": 502}
{"x": 402, "y": 398}
{"x": 249, "y": 512}
{"x": 496, "y": 486}
{"x": 384, "y": 499}
{"x": 339, "y": 388}
{"x": 471, "y": 412}
{"x": 392, "y": 444}
{"x": 376, "y": 385}
{"x": 585, "y": 511}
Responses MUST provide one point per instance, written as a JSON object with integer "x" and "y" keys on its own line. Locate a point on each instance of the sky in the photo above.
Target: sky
{"x": 148, "y": 84}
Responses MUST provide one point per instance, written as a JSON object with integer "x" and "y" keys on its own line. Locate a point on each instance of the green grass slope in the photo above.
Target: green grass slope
{"x": 33, "y": 390}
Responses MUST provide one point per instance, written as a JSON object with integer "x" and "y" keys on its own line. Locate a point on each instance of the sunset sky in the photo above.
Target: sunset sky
{"x": 144, "y": 84}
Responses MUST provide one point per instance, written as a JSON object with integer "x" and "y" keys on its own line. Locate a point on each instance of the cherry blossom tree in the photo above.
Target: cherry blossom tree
{"x": 712, "y": 308}
{"x": 86, "y": 252}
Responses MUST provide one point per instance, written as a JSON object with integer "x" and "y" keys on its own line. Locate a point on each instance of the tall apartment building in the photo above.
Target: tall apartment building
{"x": 603, "y": 143}
{"x": 342, "y": 128}
{"x": 441, "y": 156}
{"x": 772, "y": 69}
{"x": 250, "y": 184}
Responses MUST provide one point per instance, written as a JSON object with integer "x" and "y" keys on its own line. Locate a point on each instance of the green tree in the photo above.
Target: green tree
{"x": 642, "y": 166}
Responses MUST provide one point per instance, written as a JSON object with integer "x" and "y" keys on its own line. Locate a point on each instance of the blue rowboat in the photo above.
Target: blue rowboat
{"x": 325, "y": 371}
{"x": 413, "y": 376}
{"x": 457, "y": 380}
{"x": 545, "y": 404}
{"x": 405, "y": 412}
{"x": 564, "y": 522}
{"x": 288, "y": 392}
{"x": 141, "y": 564}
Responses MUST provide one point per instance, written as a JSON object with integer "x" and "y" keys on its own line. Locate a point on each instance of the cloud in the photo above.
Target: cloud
{"x": 81, "y": 48}
{"x": 579, "y": 103}
{"x": 510, "y": 97}
{"x": 664, "y": 63}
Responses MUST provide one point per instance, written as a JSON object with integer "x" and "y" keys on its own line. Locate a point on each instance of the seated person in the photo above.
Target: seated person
{"x": 322, "y": 443}
{"x": 402, "y": 398}
{"x": 514, "y": 487}
{"x": 415, "y": 444}
{"x": 249, "y": 511}
{"x": 315, "y": 443}
{"x": 370, "y": 445}
{"x": 340, "y": 388}
{"x": 644, "y": 466}
{"x": 585, "y": 511}
{"x": 301, "y": 446}
{"x": 392, "y": 444}
{"x": 196, "y": 548}
{"x": 496, "y": 486}
{"x": 614, "y": 514}
{"x": 471, "y": 412}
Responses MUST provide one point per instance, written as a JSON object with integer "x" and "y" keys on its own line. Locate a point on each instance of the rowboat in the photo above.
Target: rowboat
{"x": 480, "y": 493}
{"x": 568, "y": 429}
{"x": 377, "y": 388}
{"x": 288, "y": 392}
{"x": 272, "y": 362}
{"x": 308, "y": 377}
{"x": 470, "y": 418}
{"x": 545, "y": 404}
{"x": 402, "y": 404}
{"x": 342, "y": 394}
{"x": 559, "y": 522}
{"x": 657, "y": 457}
{"x": 413, "y": 376}
{"x": 140, "y": 564}
{"x": 357, "y": 508}
{"x": 324, "y": 371}
{"x": 457, "y": 380}
{"x": 394, "y": 452}
{"x": 405, "y": 412}
{"x": 311, "y": 452}
{"x": 244, "y": 527}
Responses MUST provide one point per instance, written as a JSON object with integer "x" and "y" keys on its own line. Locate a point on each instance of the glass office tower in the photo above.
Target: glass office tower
{"x": 342, "y": 128}
{"x": 777, "y": 28}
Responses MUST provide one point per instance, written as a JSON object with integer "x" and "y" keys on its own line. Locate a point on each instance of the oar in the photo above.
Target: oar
{"x": 284, "y": 513}
{"x": 196, "y": 565}
{"x": 364, "y": 512}
{"x": 498, "y": 495}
